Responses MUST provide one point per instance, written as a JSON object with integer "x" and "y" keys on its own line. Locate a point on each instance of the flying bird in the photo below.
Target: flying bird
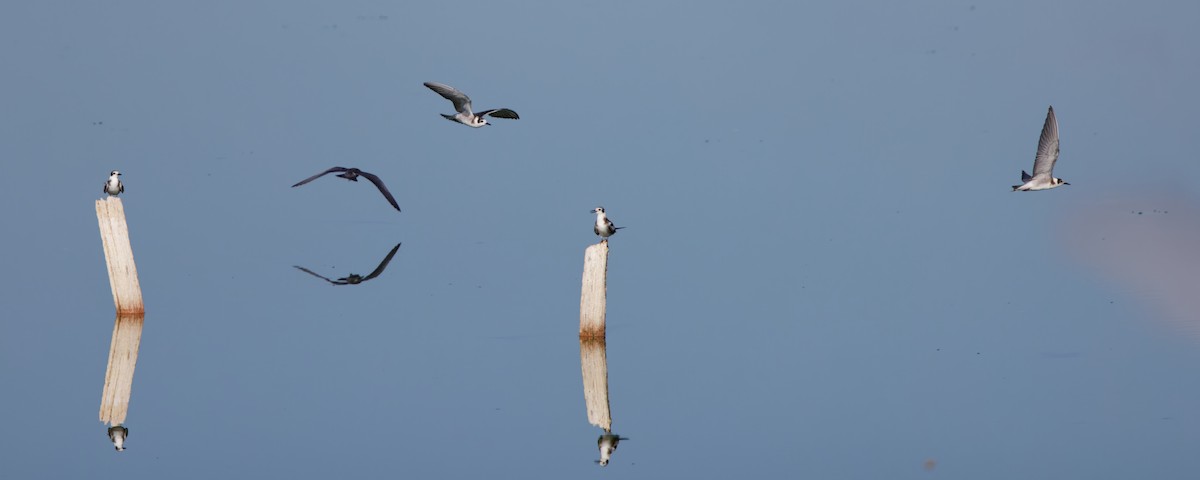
{"x": 603, "y": 227}
{"x": 114, "y": 186}
{"x": 1043, "y": 164}
{"x": 352, "y": 174}
{"x": 355, "y": 279}
{"x": 462, "y": 103}
{"x": 118, "y": 434}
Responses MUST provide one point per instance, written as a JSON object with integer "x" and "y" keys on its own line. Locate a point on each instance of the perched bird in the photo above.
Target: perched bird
{"x": 608, "y": 444}
{"x": 352, "y": 174}
{"x": 603, "y": 227}
{"x": 118, "y": 434}
{"x": 114, "y": 186}
{"x": 1043, "y": 165}
{"x": 355, "y": 279}
{"x": 462, "y": 103}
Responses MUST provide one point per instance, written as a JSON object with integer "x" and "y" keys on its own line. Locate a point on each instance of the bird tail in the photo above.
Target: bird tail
{"x": 1016, "y": 187}
{"x": 448, "y": 117}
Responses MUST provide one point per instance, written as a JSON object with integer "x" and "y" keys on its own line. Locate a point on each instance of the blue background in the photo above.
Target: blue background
{"x": 824, "y": 273}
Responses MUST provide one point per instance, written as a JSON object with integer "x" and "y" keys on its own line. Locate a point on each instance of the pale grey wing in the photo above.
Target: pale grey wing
{"x": 319, "y": 175}
{"x": 1047, "y": 152}
{"x": 500, "y": 113}
{"x": 382, "y": 265}
{"x": 462, "y": 103}
{"x": 382, "y": 189}
{"x": 315, "y": 274}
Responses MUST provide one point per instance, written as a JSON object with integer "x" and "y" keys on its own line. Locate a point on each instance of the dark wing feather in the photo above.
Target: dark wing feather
{"x": 382, "y": 265}
{"x": 382, "y": 189}
{"x": 315, "y": 274}
{"x": 319, "y": 175}
{"x": 500, "y": 113}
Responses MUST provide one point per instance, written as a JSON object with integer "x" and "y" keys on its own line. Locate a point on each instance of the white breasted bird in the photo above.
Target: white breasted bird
{"x": 114, "y": 186}
{"x": 603, "y": 227}
{"x": 608, "y": 444}
{"x": 1043, "y": 164}
{"x": 118, "y": 434}
{"x": 462, "y": 103}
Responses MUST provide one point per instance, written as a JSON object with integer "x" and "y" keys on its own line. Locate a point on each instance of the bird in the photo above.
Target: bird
{"x": 607, "y": 444}
{"x": 118, "y": 434}
{"x": 352, "y": 174}
{"x": 1043, "y": 164}
{"x": 114, "y": 186}
{"x": 603, "y": 227}
{"x": 462, "y": 103}
{"x": 355, "y": 279}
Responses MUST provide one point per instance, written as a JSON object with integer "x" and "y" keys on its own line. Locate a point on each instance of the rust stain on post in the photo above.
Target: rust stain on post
{"x": 594, "y": 362}
{"x": 118, "y": 255}
{"x": 593, "y": 297}
{"x": 122, "y": 358}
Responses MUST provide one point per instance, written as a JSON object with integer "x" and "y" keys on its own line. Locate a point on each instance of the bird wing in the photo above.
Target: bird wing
{"x": 1047, "y": 152}
{"x": 462, "y": 103}
{"x": 500, "y": 113}
{"x": 382, "y": 189}
{"x": 315, "y": 274}
{"x": 382, "y": 265}
{"x": 319, "y": 175}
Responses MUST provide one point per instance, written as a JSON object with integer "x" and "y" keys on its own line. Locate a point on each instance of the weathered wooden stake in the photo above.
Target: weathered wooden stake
{"x": 594, "y": 363}
{"x": 122, "y": 358}
{"x": 594, "y": 295}
{"x": 118, "y": 255}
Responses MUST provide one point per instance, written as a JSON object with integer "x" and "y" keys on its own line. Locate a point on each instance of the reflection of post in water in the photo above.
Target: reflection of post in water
{"x": 595, "y": 285}
{"x": 118, "y": 255}
{"x": 594, "y": 363}
{"x": 118, "y": 379}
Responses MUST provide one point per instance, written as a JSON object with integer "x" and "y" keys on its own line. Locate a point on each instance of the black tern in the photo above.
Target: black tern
{"x": 118, "y": 434}
{"x": 114, "y": 186}
{"x": 608, "y": 444}
{"x": 603, "y": 227}
{"x": 354, "y": 279}
{"x": 1043, "y": 164}
{"x": 352, "y": 174}
{"x": 462, "y": 103}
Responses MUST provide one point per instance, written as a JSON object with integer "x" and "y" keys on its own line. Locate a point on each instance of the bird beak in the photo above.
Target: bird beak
{"x": 1065, "y": 183}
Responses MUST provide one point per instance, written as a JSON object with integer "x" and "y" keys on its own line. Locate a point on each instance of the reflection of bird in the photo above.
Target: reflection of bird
{"x": 113, "y": 186}
{"x": 1043, "y": 163}
{"x": 462, "y": 103}
{"x": 118, "y": 434}
{"x": 355, "y": 279}
{"x": 352, "y": 174}
{"x": 608, "y": 444}
{"x": 603, "y": 227}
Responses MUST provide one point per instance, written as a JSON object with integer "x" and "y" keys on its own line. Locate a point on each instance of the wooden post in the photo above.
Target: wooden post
{"x": 595, "y": 287}
{"x": 594, "y": 363}
{"x": 118, "y": 255}
{"x": 122, "y": 358}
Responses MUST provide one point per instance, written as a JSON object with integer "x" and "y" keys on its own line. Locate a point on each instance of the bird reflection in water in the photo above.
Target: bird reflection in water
{"x": 608, "y": 444}
{"x": 118, "y": 434}
{"x": 355, "y": 279}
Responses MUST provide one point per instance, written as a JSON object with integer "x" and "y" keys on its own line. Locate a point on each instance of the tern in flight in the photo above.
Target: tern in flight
{"x": 355, "y": 279}
{"x": 462, "y": 103}
{"x": 352, "y": 174}
{"x": 1043, "y": 164}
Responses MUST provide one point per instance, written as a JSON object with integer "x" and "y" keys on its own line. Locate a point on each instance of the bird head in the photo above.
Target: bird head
{"x": 598, "y": 210}
{"x": 114, "y": 172}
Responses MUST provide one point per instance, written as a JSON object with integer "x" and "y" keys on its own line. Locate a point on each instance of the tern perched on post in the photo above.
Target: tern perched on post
{"x": 603, "y": 227}
{"x": 1043, "y": 164}
{"x": 113, "y": 186}
{"x": 352, "y": 174}
{"x": 118, "y": 434}
{"x": 462, "y": 103}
